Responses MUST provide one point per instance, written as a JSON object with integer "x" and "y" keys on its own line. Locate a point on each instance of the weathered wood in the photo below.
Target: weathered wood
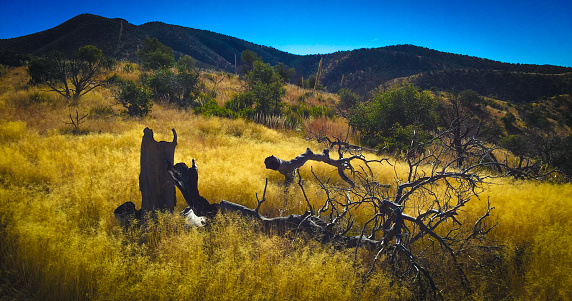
{"x": 288, "y": 168}
{"x": 186, "y": 180}
{"x": 155, "y": 183}
{"x": 125, "y": 213}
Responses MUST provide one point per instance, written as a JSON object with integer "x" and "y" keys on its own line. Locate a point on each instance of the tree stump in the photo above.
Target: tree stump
{"x": 155, "y": 183}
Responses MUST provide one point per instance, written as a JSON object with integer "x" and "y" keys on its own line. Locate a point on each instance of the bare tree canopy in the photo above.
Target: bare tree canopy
{"x": 402, "y": 224}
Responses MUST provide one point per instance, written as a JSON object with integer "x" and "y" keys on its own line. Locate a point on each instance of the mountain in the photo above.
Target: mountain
{"x": 362, "y": 70}
{"x": 120, "y": 39}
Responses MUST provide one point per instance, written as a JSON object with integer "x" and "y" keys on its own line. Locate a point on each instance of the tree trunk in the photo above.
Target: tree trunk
{"x": 186, "y": 180}
{"x": 156, "y": 184}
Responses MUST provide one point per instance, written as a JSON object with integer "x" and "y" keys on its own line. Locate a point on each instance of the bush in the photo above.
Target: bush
{"x": 135, "y": 99}
{"x": 348, "y": 99}
{"x": 155, "y": 55}
{"x": 390, "y": 114}
{"x": 211, "y": 108}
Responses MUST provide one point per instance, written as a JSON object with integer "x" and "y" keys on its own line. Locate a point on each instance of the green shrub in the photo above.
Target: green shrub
{"x": 135, "y": 99}
{"x": 321, "y": 111}
{"x": 387, "y": 118}
{"x": 207, "y": 106}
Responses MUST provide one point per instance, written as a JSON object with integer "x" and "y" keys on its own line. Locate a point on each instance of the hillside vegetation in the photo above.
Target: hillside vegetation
{"x": 60, "y": 240}
{"x": 361, "y": 70}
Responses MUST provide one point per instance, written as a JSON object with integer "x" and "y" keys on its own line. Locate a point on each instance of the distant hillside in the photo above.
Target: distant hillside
{"x": 361, "y": 70}
{"x": 120, "y": 39}
{"x": 513, "y": 86}
{"x": 365, "y": 69}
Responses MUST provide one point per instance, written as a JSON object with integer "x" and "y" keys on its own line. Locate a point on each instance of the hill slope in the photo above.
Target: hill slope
{"x": 361, "y": 70}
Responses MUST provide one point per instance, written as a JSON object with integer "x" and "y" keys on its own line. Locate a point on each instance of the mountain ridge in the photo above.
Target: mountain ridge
{"x": 361, "y": 70}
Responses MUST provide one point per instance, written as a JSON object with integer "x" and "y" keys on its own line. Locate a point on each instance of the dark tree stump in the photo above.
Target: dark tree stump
{"x": 156, "y": 184}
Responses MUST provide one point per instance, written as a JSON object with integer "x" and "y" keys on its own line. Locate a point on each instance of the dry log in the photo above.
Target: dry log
{"x": 288, "y": 168}
{"x": 186, "y": 180}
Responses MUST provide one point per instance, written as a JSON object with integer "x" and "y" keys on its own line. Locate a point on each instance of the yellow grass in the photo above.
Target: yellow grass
{"x": 60, "y": 241}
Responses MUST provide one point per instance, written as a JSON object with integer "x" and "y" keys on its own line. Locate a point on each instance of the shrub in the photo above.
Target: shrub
{"x": 389, "y": 114}
{"x": 135, "y": 99}
{"x": 348, "y": 99}
{"x": 321, "y": 111}
{"x": 155, "y": 55}
{"x": 3, "y": 70}
{"x": 206, "y": 105}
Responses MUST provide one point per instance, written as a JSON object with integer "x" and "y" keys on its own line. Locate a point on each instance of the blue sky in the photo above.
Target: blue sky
{"x": 532, "y": 32}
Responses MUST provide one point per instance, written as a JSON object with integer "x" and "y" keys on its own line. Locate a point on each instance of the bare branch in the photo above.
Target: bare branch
{"x": 263, "y": 197}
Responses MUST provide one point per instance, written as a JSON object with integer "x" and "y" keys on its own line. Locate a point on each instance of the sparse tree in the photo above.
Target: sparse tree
{"x": 284, "y": 71}
{"x": 463, "y": 125}
{"x": 73, "y": 77}
{"x": 155, "y": 55}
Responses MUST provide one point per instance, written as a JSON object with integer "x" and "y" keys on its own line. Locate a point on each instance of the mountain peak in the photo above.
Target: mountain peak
{"x": 362, "y": 70}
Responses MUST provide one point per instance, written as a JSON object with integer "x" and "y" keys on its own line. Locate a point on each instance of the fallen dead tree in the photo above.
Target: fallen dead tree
{"x": 406, "y": 223}
{"x": 186, "y": 179}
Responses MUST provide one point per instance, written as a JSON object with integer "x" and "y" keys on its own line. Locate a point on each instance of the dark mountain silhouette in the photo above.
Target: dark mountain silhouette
{"x": 361, "y": 70}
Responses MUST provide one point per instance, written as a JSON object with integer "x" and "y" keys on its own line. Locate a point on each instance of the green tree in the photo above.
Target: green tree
{"x": 248, "y": 57}
{"x": 262, "y": 73}
{"x": 284, "y": 72}
{"x": 160, "y": 83}
{"x": 135, "y": 99}
{"x": 385, "y": 120}
{"x": 186, "y": 64}
{"x": 469, "y": 98}
{"x": 73, "y": 77}
{"x": 267, "y": 88}
{"x": 265, "y": 91}
{"x": 155, "y": 55}
{"x": 180, "y": 86}
{"x": 508, "y": 119}
{"x": 187, "y": 83}
{"x": 348, "y": 99}
{"x": 311, "y": 83}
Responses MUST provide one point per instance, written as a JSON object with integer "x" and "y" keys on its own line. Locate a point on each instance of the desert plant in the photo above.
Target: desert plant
{"x": 135, "y": 99}
{"x": 389, "y": 115}
{"x": 75, "y": 121}
{"x": 73, "y": 77}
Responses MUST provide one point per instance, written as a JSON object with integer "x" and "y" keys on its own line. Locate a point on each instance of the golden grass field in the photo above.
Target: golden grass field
{"x": 59, "y": 239}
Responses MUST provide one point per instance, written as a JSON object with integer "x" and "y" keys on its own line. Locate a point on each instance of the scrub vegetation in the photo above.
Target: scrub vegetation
{"x": 60, "y": 240}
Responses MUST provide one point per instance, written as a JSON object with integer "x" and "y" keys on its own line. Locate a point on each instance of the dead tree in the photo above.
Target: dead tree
{"x": 186, "y": 179}
{"x": 156, "y": 185}
{"x": 409, "y": 226}
{"x": 288, "y": 168}
{"x": 413, "y": 217}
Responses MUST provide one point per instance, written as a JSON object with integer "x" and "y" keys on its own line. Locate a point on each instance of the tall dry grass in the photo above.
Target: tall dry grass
{"x": 60, "y": 241}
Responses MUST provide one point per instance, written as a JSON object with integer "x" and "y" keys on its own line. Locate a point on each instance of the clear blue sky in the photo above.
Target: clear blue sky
{"x": 532, "y": 32}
